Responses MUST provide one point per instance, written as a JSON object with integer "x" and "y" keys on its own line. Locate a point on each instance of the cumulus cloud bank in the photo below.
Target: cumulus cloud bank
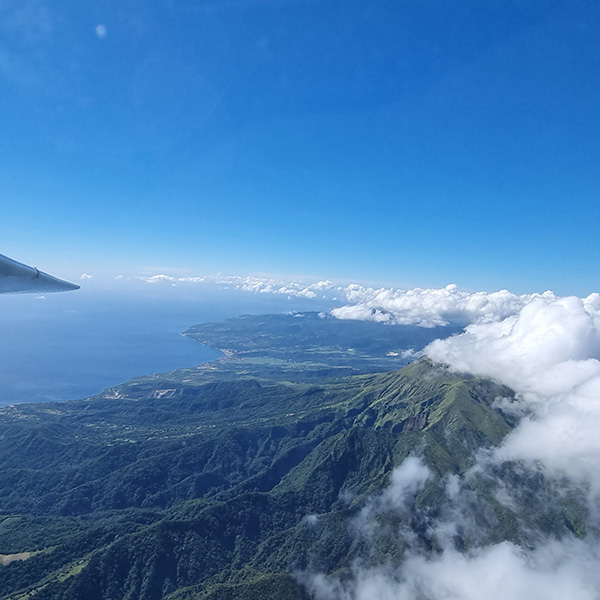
{"x": 548, "y": 353}
{"x": 430, "y": 307}
{"x": 547, "y": 349}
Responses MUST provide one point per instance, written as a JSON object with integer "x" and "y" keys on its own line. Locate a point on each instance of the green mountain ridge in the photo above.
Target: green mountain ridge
{"x": 223, "y": 482}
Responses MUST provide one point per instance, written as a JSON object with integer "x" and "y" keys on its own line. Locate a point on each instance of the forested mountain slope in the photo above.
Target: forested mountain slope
{"x": 222, "y": 482}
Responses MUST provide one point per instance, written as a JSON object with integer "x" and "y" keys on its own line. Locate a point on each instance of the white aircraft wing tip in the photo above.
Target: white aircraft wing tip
{"x": 18, "y": 278}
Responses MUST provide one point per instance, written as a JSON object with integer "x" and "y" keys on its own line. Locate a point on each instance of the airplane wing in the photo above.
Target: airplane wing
{"x": 17, "y": 278}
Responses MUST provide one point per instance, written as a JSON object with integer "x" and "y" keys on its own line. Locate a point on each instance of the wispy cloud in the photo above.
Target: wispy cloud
{"x": 553, "y": 572}
{"x": 552, "y": 568}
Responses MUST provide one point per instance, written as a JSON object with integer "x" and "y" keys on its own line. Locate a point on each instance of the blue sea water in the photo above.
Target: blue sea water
{"x": 74, "y": 345}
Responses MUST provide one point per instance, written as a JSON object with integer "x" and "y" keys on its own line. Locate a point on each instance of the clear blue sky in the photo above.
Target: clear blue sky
{"x": 404, "y": 142}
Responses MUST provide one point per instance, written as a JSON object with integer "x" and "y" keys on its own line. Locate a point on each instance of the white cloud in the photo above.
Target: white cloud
{"x": 158, "y": 278}
{"x": 86, "y": 276}
{"x": 101, "y": 31}
{"x": 406, "y": 481}
{"x": 548, "y": 353}
{"x": 430, "y": 307}
{"x": 323, "y": 285}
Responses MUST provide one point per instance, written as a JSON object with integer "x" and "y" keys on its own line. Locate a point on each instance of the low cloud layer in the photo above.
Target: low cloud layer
{"x": 547, "y": 567}
{"x": 504, "y": 571}
{"x": 258, "y": 285}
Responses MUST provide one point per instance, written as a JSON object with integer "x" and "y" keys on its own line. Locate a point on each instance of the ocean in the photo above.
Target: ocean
{"x": 74, "y": 345}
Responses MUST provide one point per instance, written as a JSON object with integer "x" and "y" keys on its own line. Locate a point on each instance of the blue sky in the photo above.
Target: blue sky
{"x": 407, "y": 143}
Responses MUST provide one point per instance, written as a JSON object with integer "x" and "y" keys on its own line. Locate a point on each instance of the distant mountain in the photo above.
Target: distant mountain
{"x": 230, "y": 481}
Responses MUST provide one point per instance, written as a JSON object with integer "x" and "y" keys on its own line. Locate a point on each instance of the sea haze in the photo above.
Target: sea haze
{"x": 67, "y": 346}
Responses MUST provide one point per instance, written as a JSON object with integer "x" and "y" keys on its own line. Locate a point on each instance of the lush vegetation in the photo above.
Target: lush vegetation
{"x": 224, "y": 481}
{"x": 324, "y": 345}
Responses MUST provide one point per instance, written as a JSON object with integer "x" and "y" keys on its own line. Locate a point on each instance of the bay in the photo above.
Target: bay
{"x": 67, "y": 346}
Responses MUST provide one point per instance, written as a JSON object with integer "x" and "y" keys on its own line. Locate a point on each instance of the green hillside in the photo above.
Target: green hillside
{"x": 220, "y": 482}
